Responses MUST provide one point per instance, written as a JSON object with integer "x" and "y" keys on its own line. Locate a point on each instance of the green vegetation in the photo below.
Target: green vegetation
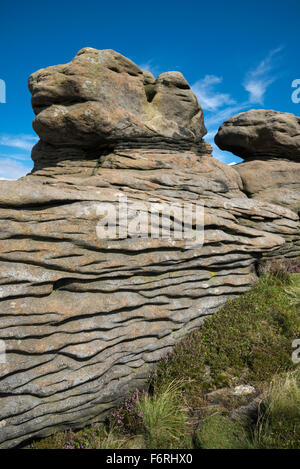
{"x": 164, "y": 417}
{"x": 278, "y": 424}
{"x": 248, "y": 341}
{"x": 219, "y": 432}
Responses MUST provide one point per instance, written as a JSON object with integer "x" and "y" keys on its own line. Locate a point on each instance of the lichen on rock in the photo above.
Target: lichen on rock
{"x": 85, "y": 318}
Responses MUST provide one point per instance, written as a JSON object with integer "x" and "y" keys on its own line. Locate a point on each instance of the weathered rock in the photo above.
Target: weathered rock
{"x": 85, "y": 317}
{"x": 260, "y": 133}
{"x": 103, "y": 99}
{"x": 275, "y": 180}
{"x": 269, "y": 141}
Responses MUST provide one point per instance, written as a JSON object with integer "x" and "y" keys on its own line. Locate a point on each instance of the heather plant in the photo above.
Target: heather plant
{"x": 248, "y": 340}
{"x": 128, "y": 417}
{"x": 96, "y": 436}
{"x": 293, "y": 266}
{"x": 277, "y": 268}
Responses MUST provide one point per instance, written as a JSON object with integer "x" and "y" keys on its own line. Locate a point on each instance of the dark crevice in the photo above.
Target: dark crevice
{"x": 150, "y": 92}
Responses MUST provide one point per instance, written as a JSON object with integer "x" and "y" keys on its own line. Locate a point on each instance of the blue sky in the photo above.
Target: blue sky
{"x": 237, "y": 55}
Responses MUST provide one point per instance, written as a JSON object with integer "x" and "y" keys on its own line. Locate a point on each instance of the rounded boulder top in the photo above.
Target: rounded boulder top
{"x": 261, "y": 134}
{"x": 102, "y": 97}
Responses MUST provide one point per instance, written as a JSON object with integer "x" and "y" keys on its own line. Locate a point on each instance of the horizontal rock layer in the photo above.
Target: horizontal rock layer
{"x": 84, "y": 317}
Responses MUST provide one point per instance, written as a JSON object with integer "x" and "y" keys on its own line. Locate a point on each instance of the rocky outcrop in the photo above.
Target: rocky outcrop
{"x": 269, "y": 142}
{"x": 275, "y": 180}
{"x": 103, "y": 100}
{"x": 261, "y": 134}
{"x": 83, "y": 316}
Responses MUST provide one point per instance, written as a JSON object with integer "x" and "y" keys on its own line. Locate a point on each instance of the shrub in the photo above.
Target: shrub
{"x": 277, "y": 268}
{"x": 248, "y": 340}
{"x": 293, "y": 266}
{"x": 94, "y": 436}
{"x": 278, "y": 425}
{"x": 128, "y": 418}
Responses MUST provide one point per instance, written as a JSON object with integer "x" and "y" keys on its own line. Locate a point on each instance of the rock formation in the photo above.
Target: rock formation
{"x": 261, "y": 134}
{"x": 269, "y": 142}
{"x": 84, "y": 317}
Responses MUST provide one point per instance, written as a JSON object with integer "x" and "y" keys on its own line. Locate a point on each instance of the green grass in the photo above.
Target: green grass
{"x": 294, "y": 290}
{"x": 278, "y": 425}
{"x": 164, "y": 417}
{"x": 249, "y": 340}
{"x": 219, "y": 432}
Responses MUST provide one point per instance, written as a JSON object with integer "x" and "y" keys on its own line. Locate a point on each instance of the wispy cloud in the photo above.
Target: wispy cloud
{"x": 209, "y": 99}
{"x": 15, "y": 156}
{"x": 257, "y": 81}
{"x": 220, "y": 106}
{"x": 23, "y": 142}
{"x": 223, "y": 114}
{"x": 11, "y": 170}
{"x": 150, "y": 67}
{"x": 15, "y": 159}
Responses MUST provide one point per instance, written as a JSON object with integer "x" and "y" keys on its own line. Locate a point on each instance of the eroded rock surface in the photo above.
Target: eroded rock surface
{"x": 261, "y": 134}
{"x": 269, "y": 142}
{"x": 102, "y": 98}
{"x": 275, "y": 180}
{"x": 84, "y": 317}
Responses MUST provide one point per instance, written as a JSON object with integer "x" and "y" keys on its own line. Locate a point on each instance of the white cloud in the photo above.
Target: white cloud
{"x": 11, "y": 161}
{"x": 23, "y": 142}
{"x": 219, "y": 107}
{"x": 12, "y": 170}
{"x": 258, "y": 80}
{"x": 16, "y": 156}
{"x": 223, "y": 114}
{"x": 149, "y": 67}
{"x": 209, "y": 99}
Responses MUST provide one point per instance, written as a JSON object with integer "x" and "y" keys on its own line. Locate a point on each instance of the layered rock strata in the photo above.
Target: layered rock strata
{"x": 85, "y": 317}
{"x": 269, "y": 143}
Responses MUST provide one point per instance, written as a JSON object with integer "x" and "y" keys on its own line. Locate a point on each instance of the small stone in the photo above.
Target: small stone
{"x": 243, "y": 390}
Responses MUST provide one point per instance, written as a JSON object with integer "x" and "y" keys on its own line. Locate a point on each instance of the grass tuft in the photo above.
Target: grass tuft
{"x": 165, "y": 419}
{"x": 278, "y": 425}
